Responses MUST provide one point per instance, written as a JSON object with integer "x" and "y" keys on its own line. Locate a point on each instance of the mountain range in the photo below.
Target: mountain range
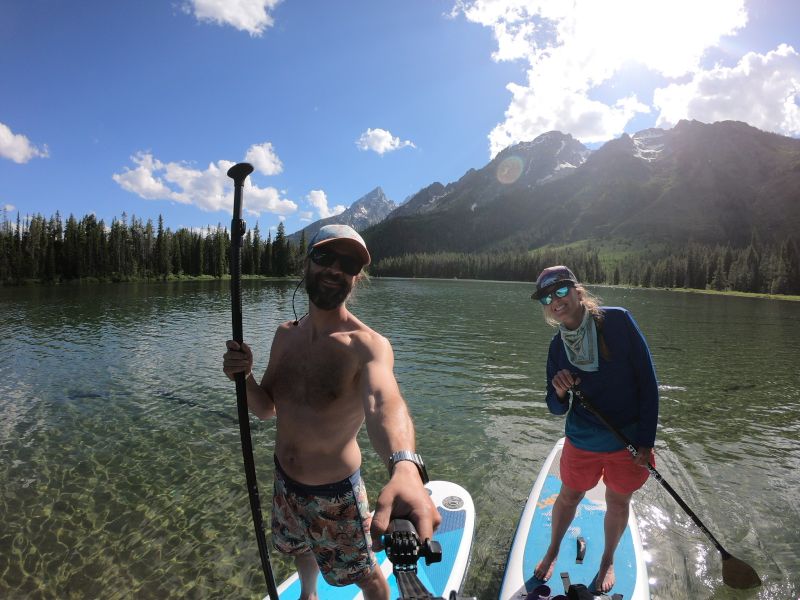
{"x": 719, "y": 183}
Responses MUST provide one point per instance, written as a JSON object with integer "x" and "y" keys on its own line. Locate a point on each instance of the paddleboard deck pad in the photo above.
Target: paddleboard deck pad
{"x": 584, "y": 537}
{"x": 455, "y": 534}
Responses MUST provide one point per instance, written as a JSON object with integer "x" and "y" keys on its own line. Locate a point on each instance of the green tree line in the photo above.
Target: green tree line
{"x": 53, "y": 251}
{"x": 770, "y": 269}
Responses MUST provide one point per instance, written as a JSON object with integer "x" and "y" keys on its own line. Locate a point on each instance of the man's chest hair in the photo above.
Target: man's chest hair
{"x": 316, "y": 374}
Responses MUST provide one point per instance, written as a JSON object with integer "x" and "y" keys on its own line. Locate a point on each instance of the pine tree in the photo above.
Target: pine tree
{"x": 791, "y": 258}
{"x": 163, "y": 258}
{"x": 266, "y": 259}
{"x": 255, "y": 251}
{"x": 280, "y": 254}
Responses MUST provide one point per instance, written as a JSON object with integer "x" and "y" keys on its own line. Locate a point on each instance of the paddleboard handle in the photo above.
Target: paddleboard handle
{"x": 580, "y": 552}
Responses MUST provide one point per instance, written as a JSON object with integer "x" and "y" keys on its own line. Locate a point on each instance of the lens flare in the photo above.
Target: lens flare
{"x": 509, "y": 169}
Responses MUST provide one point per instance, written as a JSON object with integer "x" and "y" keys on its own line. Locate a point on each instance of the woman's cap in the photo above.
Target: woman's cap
{"x": 340, "y": 233}
{"x": 552, "y": 278}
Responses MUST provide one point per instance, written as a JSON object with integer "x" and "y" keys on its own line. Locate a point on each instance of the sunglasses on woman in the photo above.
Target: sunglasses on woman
{"x": 325, "y": 258}
{"x": 559, "y": 293}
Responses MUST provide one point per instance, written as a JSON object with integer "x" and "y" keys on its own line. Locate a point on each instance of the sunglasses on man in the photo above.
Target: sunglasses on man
{"x": 559, "y": 293}
{"x": 325, "y": 257}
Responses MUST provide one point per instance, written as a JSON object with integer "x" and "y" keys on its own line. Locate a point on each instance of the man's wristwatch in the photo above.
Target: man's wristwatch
{"x": 413, "y": 457}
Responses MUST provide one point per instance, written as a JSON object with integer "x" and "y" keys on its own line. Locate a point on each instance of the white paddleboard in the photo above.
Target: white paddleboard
{"x": 455, "y": 534}
{"x": 533, "y": 537}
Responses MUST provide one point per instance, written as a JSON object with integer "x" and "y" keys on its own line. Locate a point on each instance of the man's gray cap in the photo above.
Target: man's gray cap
{"x": 341, "y": 233}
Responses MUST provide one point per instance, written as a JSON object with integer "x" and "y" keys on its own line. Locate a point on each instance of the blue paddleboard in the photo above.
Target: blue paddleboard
{"x": 533, "y": 537}
{"x": 454, "y": 534}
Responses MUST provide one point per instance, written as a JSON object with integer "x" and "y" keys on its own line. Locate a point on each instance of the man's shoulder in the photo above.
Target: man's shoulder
{"x": 369, "y": 337}
{"x": 367, "y": 342}
{"x": 285, "y": 328}
{"x": 356, "y": 327}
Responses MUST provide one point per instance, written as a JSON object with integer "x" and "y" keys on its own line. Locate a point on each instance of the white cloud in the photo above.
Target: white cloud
{"x": 9, "y": 207}
{"x": 537, "y": 110}
{"x": 143, "y": 182}
{"x": 574, "y": 47}
{"x": 210, "y": 190}
{"x": 251, "y": 16}
{"x": 258, "y": 200}
{"x": 17, "y": 147}
{"x": 319, "y": 200}
{"x": 264, "y": 159}
{"x": 381, "y": 141}
{"x": 762, "y": 90}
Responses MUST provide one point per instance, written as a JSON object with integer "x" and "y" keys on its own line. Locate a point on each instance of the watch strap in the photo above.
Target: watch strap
{"x": 410, "y": 456}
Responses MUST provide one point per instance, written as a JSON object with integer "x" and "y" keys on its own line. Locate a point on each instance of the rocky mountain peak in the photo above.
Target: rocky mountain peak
{"x": 368, "y": 210}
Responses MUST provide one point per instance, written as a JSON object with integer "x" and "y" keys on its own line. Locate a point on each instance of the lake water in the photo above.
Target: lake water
{"x": 121, "y": 471}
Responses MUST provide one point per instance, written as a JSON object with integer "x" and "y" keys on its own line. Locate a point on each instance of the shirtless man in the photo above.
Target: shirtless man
{"x": 327, "y": 375}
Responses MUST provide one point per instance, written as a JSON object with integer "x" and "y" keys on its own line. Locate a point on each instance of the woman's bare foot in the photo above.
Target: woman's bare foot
{"x": 544, "y": 570}
{"x": 605, "y": 579}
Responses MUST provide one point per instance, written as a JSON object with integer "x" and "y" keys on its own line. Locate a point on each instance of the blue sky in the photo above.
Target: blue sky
{"x": 140, "y": 107}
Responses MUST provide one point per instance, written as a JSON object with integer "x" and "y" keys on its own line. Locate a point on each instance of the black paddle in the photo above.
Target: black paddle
{"x": 239, "y": 173}
{"x": 735, "y": 573}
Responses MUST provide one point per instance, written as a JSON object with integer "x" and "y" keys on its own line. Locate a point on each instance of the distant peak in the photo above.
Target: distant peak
{"x": 376, "y": 195}
{"x": 648, "y": 133}
{"x": 544, "y": 140}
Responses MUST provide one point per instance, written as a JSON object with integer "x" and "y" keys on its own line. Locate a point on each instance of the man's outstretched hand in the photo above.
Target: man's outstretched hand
{"x": 404, "y": 497}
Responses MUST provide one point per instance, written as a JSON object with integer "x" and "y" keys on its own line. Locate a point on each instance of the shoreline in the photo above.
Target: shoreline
{"x": 190, "y": 278}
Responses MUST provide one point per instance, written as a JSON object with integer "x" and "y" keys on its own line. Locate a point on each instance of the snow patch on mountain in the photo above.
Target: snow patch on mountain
{"x": 649, "y": 144}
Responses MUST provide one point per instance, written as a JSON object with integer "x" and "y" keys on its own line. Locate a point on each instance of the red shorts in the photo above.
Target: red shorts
{"x": 582, "y": 469}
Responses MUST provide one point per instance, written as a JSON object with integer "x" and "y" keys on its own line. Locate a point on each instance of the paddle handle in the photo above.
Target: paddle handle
{"x": 238, "y": 173}
{"x": 585, "y": 403}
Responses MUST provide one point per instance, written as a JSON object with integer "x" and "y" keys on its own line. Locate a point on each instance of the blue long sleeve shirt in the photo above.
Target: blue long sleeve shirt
{"x": 624, "y": 389}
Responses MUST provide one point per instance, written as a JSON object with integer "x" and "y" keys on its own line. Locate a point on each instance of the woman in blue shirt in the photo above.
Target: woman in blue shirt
{"x": 602, "y": 350}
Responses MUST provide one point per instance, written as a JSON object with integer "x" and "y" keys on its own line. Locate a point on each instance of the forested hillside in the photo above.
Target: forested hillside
{"x": 49, "y": 250}
{"x": 755, "y": 268}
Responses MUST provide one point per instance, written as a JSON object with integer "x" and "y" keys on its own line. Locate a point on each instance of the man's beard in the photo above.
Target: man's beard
{"x": 323, "y": 296}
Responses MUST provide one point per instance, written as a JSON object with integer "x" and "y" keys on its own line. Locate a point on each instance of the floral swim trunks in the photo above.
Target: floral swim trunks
{"x": 330, "y": 520}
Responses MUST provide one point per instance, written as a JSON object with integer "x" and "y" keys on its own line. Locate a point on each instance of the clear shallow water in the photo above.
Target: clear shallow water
{"x": 120, "y": 465}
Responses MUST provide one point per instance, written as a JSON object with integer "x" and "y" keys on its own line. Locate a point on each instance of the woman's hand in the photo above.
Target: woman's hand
{"x": 643, "y": 456}
{"x": 563, "y": 381}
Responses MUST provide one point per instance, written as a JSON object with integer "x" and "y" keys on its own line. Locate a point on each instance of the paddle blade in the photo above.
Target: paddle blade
{"x": 738, "y": 574}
